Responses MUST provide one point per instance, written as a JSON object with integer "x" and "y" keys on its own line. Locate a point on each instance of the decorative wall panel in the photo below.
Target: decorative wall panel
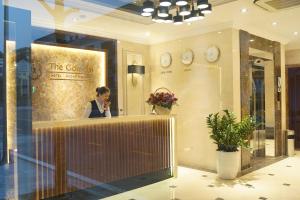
{"x": 64, "y": 81}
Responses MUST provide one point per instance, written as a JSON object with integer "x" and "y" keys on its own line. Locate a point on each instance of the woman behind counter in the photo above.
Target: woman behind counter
{"x": 99, "y": 107}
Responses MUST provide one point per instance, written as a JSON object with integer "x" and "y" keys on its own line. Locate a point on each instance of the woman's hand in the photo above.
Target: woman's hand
{"x": 106, "y": 105}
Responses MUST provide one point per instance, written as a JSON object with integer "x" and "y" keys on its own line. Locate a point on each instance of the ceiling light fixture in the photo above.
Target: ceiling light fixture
{"x": 296, "y": 33}
{"x": 178, "y": 19}
{"x": 169, "y": 19}
{"x": 163, "y": 11}
{"x": 146, "y": 14}
{"x": 244, "y": 10}
{"x": 202, "y": 4}
{"x": 207, "y": 10}
{"x": 165, "y": 3}
{"x": 181, "y": 2}
{"x": 186, "y": 10}
{"x": 194, "y": 16}
{"x": 274, "y": 23}
{"x": 148, "y": 6}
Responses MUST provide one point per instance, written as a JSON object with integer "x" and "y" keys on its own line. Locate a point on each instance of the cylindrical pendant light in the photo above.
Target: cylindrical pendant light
{"x": 169, "y": 19}
{"x": 181, "y": 2}
{"x": 194, "y": 16}
{"x": 202, "y": 4}
{"x": 154, "y": 15}
{"x": 163, "y": 11}
{"x": 178, "y": 19}
{"x": 184, "y": 10}
{"x": 165, "y": 3}
{"x": 148, "y": 6}
{"x": 207, "y": 10}
{"x": 146, "y": 14}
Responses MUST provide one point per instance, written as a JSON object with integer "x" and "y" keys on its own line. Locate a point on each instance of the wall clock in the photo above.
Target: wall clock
{"x": 165, "y": 60}
{"x": 212, "y": 54}
{"x": 187, "y": 57}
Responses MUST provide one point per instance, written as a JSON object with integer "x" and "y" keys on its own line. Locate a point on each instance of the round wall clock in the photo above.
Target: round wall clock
{"x": 165, "y": 60}
{"x": 187, "y": 57}
{"x": 212, "y": 54}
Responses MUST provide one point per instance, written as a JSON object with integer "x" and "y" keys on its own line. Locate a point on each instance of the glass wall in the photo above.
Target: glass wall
{"x": 51, "y": 65}
{"x": 2, "y": 109}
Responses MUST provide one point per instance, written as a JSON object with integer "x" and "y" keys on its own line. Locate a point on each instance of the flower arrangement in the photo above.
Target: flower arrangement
{"x": 163, "y": 99}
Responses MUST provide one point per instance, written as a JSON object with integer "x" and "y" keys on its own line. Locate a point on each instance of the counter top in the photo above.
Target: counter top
{"x": 81, "y": 122}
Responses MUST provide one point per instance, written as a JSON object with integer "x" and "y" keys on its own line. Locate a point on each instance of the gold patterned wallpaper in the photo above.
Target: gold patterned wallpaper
{"x": 11, "y": 94}
{"x": 64, "y": 81}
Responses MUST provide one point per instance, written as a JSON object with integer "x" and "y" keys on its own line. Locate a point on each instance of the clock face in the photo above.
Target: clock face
{"x": 212, "y": 54}
{"x": 165, "y": 60}
{"x": 187, "y": 57}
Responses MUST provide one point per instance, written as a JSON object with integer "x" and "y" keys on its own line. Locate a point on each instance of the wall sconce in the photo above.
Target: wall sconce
{"x": 135, "y": 69}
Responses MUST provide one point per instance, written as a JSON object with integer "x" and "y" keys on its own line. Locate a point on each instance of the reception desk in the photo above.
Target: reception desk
{"x": 111, "y": 155}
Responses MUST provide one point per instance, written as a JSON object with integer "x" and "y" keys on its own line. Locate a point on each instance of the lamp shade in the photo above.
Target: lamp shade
{"x": 178, "y": 19}
{"x": 181, "y": 2}
{"x": 202, "y": 4}
{"x": 163, "y": 11}
{"x": 136, "y": 69}
{"x": 169, "y": 19}
{"x": 207, "y": 10}
{"x": 165, "y": 3}
{"x": 148, "y": 6}
{"x": 184, "y": 10}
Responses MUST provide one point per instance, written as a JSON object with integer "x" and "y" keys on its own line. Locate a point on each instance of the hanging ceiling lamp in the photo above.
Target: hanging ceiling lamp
{"x": 165, "y": 3}
{"x": 184, "y": 10}
{"x": 169, "y": 19}
{"x": 201, "y": 4}
{"x": 178, "y": 19}
{"x": 194, "y": 16}
{"x": 181, "y": 2}
{"x": 148, "y": 6}
{"x": 146, "y": 14}
{"x": 207, "y": 10}
{"x": 163, "y": 11}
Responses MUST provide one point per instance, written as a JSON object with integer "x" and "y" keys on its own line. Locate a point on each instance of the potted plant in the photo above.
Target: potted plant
{"x": 229, "y": 136}
{"x": 162, "y": 102}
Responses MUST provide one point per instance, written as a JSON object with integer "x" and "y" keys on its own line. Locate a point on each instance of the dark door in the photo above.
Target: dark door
{"x": 294, "y": 103}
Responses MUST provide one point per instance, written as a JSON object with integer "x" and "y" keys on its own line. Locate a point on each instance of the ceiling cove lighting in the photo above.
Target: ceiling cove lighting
{"x": 176, "y": 11}
{"x": 148, "y": 6}
{"x": 165, "y": 3}
{"x": 201, "y": 4}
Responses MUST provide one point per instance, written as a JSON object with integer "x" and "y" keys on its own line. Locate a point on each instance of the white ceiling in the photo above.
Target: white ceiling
{"x": 94, "y": 19}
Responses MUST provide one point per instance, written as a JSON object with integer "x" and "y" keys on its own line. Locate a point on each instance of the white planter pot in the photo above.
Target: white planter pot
{"x": 228, "y": 164}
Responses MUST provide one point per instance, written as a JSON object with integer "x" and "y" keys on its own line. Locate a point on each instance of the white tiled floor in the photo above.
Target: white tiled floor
{"x": 280, "y": 181}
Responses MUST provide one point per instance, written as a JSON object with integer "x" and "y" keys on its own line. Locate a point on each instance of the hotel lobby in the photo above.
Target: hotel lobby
{"x": 149, "y": 99}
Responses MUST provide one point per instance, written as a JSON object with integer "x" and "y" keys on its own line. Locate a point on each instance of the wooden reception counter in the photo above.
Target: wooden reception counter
{"x": 107, "y": 153}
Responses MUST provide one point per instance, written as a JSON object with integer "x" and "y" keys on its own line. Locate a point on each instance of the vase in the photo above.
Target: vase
{"x": 228, "y": 164}
{"x": 162, "y": 110}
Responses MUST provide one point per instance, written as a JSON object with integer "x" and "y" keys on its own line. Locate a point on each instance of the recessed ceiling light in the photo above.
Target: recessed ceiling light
{"x": 244, "y": 10}
{"x": 147, "y": 34}
{"x": 220, "y": 32}
{"x": 296, "y": 33}
{"x": 274, "y": 23}
{"x": 251, "y": 40}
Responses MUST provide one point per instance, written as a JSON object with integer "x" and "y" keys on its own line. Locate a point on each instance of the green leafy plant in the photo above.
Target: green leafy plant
{"x": 228, "y": 134}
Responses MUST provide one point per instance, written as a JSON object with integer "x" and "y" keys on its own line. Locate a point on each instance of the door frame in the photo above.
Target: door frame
{"x": 288, "y": 113}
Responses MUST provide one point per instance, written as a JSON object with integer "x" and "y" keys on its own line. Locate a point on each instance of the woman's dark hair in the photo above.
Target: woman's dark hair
{"x": 102, "y": 90}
